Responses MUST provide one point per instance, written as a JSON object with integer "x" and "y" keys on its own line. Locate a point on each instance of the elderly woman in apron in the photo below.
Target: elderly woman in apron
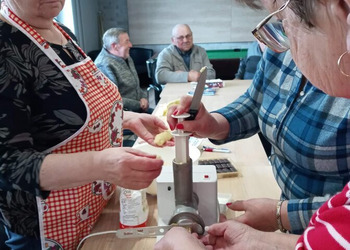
{"x": 61, "y": 127}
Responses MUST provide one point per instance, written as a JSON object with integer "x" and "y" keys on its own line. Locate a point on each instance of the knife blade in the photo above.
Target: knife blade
{"x": 197, "y": 96}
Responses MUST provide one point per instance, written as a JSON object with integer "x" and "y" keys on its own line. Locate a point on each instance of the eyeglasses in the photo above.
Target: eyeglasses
{"x": 271, "y": 32}
{"x": 181, "y": 38}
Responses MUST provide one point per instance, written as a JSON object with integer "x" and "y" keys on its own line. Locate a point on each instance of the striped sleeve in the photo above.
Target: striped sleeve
{"x": 329, "y": 227}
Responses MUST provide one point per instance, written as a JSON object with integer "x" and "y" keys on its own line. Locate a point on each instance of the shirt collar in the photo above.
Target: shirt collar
{"x": 183, "y": 53}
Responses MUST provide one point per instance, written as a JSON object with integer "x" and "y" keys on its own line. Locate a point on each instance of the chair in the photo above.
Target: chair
{"x": 225, "y": 68}
{"x": 140, "y": 56}
{"x": 93, "y": 54}
{"x": 151, "y": 69}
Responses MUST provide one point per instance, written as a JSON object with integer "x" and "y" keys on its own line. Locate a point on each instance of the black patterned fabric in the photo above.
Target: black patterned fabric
{"x": 39, "y": 109}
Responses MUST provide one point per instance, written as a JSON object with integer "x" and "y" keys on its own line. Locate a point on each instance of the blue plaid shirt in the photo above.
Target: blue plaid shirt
{"x": 309, "y": 133}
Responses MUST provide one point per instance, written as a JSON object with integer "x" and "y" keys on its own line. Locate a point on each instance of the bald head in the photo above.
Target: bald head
{"x": 179, "y": 27}
{"x": 182, "y": 37}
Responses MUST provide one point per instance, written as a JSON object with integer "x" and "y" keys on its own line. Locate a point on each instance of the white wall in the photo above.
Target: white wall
{"x": 217, "y": 24}
{"x": 212, "y": 21}
{"x": 114, "y": 13}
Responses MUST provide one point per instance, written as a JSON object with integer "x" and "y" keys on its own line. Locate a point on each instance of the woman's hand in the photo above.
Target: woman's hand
{"x": 179, "y": 238}
{"x": 145, "y": 126}
{"x": 127, "y": 167}
{"x": 234, "y": 235}
{"x": 259, "y": 213}
{"x": 205, "y": 125}
{"x": 231, "y": 235}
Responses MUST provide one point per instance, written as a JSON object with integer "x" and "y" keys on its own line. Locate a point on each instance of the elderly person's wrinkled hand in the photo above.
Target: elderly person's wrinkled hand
{"x": 144, "y": 104}
{"x": 231, "y": 235}
{"x": 234, "y": 235}
{"x": 179, "y": 238}
{"x": 145, "y": 126}
{"x": 205, "y": 125}
{"x": 258, "y": 213}
{"x": 193, "y": 76}
{"x": 128, "y": 167}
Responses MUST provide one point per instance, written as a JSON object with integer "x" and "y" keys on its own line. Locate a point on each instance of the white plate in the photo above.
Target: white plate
{"x": 168, "y": 155}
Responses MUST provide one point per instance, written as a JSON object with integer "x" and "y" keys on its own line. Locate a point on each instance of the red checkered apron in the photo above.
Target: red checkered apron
{"x": 66, "y": 216}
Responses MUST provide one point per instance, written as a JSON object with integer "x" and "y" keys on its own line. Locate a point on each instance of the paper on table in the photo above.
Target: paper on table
{"x": 195, "y": 142}
{"x": 207, "y": 92}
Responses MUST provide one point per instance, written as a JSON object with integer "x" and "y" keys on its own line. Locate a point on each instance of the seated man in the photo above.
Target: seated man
{"x": 115, "y": 62}
{"x": 182, "y": 60}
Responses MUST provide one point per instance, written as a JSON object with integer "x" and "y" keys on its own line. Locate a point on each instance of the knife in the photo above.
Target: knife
{"x": 197, "y": 96}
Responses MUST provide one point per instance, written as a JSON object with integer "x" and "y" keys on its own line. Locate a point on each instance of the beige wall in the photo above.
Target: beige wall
{"x": 212, "y": 21}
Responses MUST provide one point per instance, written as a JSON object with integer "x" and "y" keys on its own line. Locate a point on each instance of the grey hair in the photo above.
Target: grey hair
{"x": 177, "y": 26}
{"x": 255, "y": 4}
{"x": 304, "y": 9}
{"x": 112, "y": 36}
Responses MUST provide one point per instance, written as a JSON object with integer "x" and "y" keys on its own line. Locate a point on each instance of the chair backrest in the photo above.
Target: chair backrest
{"x": 93, "y": 54}
{"x": 140, "y": 56}
{"x": 151, "y": 69}
{"x": 225, "y": 68}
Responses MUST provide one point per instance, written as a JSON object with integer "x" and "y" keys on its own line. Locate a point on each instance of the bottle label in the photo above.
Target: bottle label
{"x": 133, "y": 208}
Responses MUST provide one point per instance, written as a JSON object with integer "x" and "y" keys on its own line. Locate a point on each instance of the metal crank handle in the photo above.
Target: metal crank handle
{"x": 146, "y": 232}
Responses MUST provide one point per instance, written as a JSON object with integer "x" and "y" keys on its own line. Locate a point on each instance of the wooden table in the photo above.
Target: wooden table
{"x": 255, "y": 179}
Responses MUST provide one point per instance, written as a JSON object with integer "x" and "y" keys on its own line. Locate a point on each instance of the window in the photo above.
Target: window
{"x": 66, "y": 16}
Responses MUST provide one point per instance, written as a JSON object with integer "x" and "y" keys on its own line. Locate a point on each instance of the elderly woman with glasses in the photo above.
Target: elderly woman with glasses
{"x": 318, "y": 35}
{"x": 306, "y": 127}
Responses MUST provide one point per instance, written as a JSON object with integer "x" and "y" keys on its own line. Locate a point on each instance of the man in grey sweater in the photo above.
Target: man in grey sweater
{"x": 115, "y": 62}
{"x": 182, "y": 60}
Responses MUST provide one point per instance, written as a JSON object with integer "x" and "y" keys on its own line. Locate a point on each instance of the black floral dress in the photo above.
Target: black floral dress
{"x": 39, "y": 109}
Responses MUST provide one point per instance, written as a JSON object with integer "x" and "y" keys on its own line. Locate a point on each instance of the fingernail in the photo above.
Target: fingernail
{"x": 229, "y": 204}
{"x": 175, "y": 112}
{"x": 171, "y": 127}
{"x": 180, "y": 126}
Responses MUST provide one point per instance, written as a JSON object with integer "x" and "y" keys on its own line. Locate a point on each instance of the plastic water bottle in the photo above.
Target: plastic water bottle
{"x": 133, "y": 208}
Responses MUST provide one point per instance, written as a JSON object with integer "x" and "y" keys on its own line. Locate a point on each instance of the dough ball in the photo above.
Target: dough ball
{"x": 175, "y": 102}
{"x": 163, "y": 137}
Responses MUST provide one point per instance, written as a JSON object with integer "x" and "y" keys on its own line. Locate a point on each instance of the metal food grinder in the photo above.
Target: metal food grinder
{"x": 187, "y": 194}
